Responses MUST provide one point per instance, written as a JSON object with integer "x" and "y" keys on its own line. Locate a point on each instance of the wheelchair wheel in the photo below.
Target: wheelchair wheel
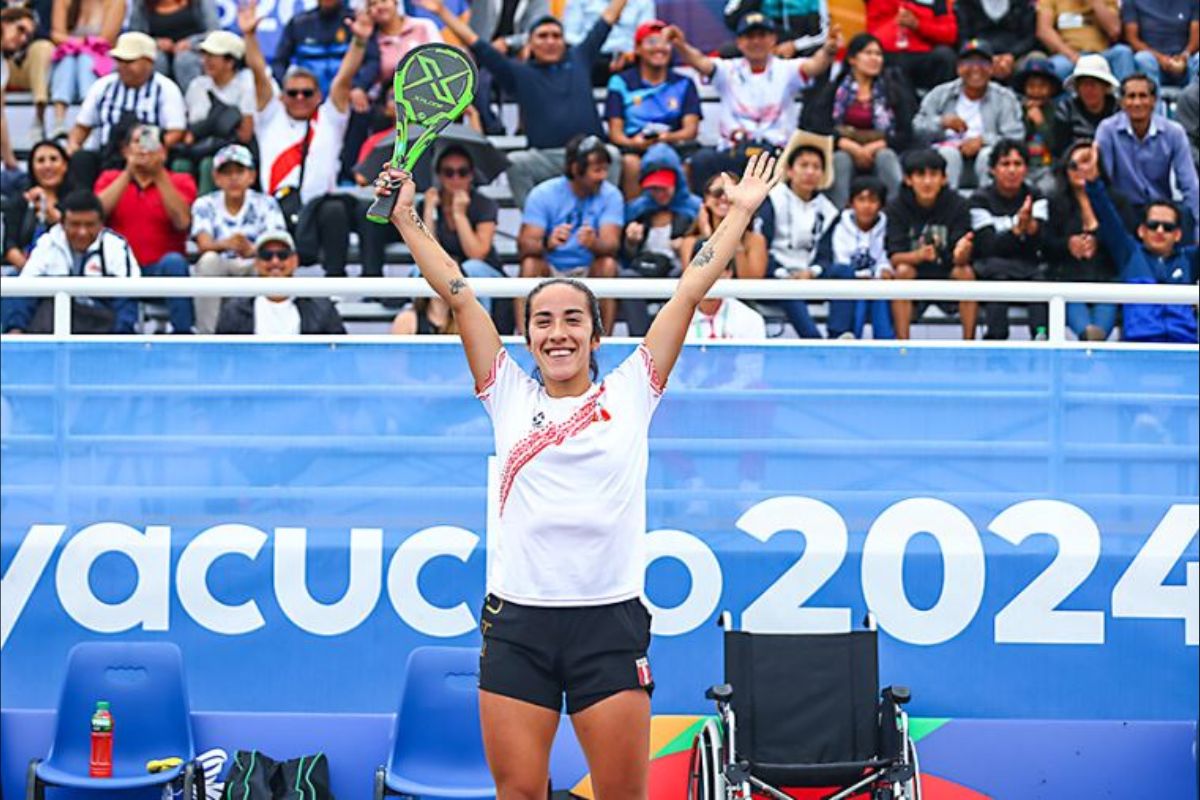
{"x": 706, "y": 779}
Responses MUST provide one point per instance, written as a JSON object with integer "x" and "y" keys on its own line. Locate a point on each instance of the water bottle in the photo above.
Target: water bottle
{"x": 102, "y": 733}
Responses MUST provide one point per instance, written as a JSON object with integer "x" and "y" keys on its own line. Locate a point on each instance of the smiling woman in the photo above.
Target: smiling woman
{"x": 563, "y": 614}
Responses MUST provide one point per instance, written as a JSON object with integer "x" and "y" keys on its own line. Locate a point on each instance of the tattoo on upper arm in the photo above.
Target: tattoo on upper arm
{"x": 457, "y": 285}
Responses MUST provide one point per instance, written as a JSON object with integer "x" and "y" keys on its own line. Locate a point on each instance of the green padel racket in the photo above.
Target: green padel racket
{"x": 434, "y": 84}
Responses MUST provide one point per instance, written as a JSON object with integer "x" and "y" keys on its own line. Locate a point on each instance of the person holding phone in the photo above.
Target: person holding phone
{"x": 152, "y": 208}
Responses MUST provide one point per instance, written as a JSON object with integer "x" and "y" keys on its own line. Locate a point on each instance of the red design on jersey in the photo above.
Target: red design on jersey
{"x": 290, "y": 159}
{"x": 535, "y": 442}
{"x": 656, "y": 382}
{"x": 488, "y": 382}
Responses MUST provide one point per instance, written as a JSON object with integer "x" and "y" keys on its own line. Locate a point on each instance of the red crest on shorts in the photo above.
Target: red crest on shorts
{"x": 643, "y": 672}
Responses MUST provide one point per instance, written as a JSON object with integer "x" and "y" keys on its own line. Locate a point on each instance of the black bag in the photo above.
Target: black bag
{"x": 86, "y": 317}
{"x": 213, "y": 132}
{"x": 255, "y": 776}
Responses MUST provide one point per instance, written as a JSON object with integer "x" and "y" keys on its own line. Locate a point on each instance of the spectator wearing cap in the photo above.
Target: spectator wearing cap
{"x": 757, "y": 92}
{"x": 223, "y": 55}
{"x": 869, "y": 110}
{"x": 553, "y": 90}
{"x": 78, "y": 246}
{"x": 571, "y": 224}
{"x": 918, "y": 37}
{"x": 929, "y": 236}
{"x": 964, "y": 118}
{"x": 300, "y": 138}
{"x": 649, "y": 104}
{"x": 655, "y": 223}
{"x": 83, "y": 34}
{"x": 1088, "y": 101}
{"x": 1165, "y": 37}
{"x": 506, "y": 23}
{"x": 802, "y": 25}
{"x": 1074, "y": 29}
{"x": 796, "y": 216}
{"x": 278, "y": 315}
{"x": 134, "y": 93}
{"x": 1038, "y": 86}
{"x": 1141, "y": 151}
{"x": 178, "y": 27}
{"x": 226, "y": 223}
{"x": 580, "y": 15}
{"x": 855, "y": 247}
{"x": 152, "y": 208}
{"x": 1008, "y": 26}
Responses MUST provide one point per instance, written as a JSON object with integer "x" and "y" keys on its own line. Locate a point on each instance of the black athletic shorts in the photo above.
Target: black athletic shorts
{"x": 537, "y": 654}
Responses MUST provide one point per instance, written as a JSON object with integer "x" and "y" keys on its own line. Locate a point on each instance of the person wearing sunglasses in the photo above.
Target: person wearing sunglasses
{"x": 1154, "y": 255}
{"x": 278, "y": 315}
{"x": 1073, "y": 250}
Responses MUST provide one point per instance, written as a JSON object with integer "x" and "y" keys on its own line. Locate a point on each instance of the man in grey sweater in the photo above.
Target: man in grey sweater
{"x": 964, "y": 118}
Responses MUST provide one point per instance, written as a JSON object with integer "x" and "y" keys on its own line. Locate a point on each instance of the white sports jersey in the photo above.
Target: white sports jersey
{"x": 761, "y": 104}
{"x": 572, "y": 485}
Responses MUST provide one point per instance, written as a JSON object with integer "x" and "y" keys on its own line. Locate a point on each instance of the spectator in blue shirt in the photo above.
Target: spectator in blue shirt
{"x": 1164, "y": 35}
{"x": 553, "y": 90}
{"x": 580, "y": 15}
{"x": 1140, "y": 150}
{"x": 1155, "y": 255}
{"x": 317, "y": 40}
{"x": 572, "y": 224}
{"x": 649, "y": 104}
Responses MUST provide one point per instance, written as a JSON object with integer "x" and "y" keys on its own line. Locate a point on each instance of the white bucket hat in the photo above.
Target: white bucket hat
{"x": 1092, "y": 65}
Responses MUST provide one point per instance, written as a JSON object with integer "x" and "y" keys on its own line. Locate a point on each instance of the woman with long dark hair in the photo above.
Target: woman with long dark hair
{"x": 563, "y": 613}
{"x": 28, "y": 216}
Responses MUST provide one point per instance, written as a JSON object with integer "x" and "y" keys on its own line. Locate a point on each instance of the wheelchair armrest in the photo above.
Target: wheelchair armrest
{"x": 897, "y": 694}
{"x": 722, "y": 693}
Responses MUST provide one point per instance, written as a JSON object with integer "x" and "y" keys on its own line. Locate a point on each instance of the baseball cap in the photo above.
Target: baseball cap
{"x": 664, "y": 178}
{"x": 973, "y": 47}
{"x": 648, "y": 28}
{"x": 278, "y": 235}
{"x": 132, "y": 46}
{"x": 233, "y": 154}
{"x": 224, "y": 43}
{"x": 755, "y": 21}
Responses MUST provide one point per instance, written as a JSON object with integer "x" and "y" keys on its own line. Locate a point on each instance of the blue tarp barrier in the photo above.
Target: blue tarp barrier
{"x": 1021, "y": 521}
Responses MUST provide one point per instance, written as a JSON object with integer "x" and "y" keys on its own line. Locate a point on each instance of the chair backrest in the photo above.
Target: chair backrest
{"x": 438, "y": 721}
{"x": 147, "y": 694}
{"x": 804, "y": 698}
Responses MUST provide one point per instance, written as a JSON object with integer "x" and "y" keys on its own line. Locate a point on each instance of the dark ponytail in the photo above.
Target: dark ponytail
{"x": 593, "y": 309}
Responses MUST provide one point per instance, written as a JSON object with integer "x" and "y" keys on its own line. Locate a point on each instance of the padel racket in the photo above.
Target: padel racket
{"x": 434, "y": 84}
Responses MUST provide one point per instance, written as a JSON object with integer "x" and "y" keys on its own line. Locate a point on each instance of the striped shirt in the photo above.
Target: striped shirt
{"x": 157, "y": 102}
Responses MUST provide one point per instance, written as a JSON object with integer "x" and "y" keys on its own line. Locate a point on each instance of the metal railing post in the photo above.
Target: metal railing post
{"x": 62, "y": 315}
{"x": 1058, "y": 319}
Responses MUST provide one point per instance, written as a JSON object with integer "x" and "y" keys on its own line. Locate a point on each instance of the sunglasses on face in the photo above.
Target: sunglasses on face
{"x": 275, "y": 254}
{"x": 1161, "y": 225}
{"x": 716, "y": 194}
{"x": 451, "y": 172}
{"x": 305, "y": 93}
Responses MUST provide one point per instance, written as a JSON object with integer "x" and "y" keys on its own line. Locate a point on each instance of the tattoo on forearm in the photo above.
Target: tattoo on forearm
{"x": 457, "y": 285}
{"x": 708, "y": 251}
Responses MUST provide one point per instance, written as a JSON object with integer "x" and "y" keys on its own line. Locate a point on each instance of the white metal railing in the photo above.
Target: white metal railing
{"x": 1057, "y": 295}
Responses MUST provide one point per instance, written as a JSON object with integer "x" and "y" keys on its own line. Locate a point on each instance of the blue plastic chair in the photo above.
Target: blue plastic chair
{"x": 144, "y": 685}
{"x": 437, "y": 744}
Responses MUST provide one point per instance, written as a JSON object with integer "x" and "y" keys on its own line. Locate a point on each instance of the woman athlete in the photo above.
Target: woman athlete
{"x": 563, "y": 613}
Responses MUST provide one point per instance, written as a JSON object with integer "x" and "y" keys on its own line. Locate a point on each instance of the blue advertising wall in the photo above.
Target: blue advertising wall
{"x": 1021, "y": 521}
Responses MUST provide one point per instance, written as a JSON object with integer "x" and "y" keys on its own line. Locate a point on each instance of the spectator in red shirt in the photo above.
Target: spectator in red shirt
{"x": 151, "y": 207}
{"x": 918, "y": 36}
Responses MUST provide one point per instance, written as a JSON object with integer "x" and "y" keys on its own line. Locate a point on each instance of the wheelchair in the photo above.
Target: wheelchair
{"x": 804, "y": 711}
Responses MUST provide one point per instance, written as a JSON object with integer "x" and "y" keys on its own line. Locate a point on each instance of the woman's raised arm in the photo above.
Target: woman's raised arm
{"x": 480, "y": 339}
{"x": 666, "y": 335}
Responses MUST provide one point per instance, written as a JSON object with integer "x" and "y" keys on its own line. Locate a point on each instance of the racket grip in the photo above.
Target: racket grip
{"x": 380, "y": 211}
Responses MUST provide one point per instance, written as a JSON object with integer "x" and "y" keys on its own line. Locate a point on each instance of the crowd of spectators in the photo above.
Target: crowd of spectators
{"x": 972, "y": 140}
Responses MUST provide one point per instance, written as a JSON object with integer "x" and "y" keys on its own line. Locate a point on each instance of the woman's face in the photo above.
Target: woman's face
{"x": 455, "y": 173}
{"x": 560, "y": 333}
{"x": 1076, "y": 174}
{"x": 868, "y": 61}
{"x": 382, "y": 11}
{"x": 49, "y": 167}
{"x": 715, "y": 200}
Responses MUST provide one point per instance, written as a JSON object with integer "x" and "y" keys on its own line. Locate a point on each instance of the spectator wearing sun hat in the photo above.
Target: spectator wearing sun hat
{"x": 227, "y": 222}
{"x": 224, "y": 80}
{"x": 1090, "y": 99}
